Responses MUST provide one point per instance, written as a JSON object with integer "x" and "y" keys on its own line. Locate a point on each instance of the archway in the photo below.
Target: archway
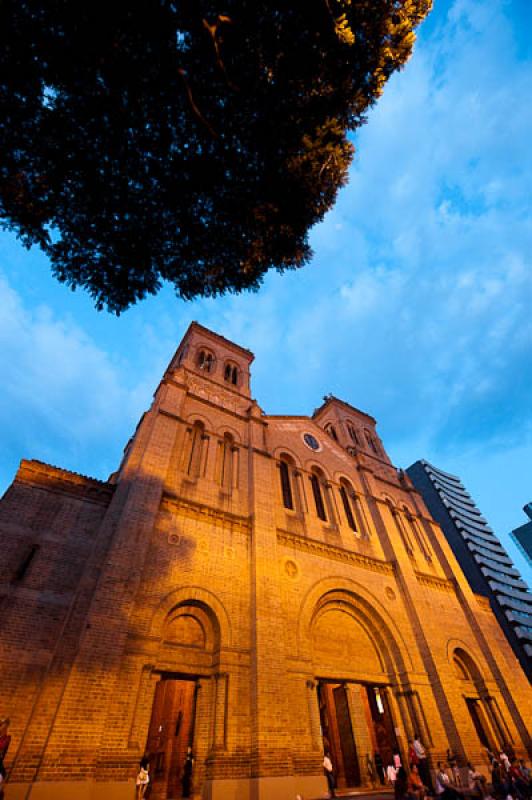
{"x": 189, "y": 632}
{"x": 355, "y": 660}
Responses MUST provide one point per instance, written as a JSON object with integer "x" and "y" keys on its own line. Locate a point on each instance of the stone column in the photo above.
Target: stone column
{"x": 314, "y": 715}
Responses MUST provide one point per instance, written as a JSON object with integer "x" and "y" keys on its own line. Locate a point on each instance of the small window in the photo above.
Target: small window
{"x": 205, "y": 360}
{"x": 231, "y": 374}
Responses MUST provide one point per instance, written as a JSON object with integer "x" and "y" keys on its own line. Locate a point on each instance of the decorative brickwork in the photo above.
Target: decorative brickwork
{"x": 254, "y": 587}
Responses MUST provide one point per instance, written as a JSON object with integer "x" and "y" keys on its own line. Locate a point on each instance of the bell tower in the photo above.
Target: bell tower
{"x": 353, "y": 429}
{"x": 214, "y": 359}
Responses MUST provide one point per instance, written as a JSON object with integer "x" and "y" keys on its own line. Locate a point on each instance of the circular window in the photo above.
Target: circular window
{"x": 311, "y": 441}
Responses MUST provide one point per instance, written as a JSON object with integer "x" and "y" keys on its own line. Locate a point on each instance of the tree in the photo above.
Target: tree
{"x": 193, "y": 141}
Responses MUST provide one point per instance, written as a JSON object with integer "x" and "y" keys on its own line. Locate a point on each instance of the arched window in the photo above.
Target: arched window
{"x": 227, "y": 464}
{"x": 370, "y": 440}
{"x": 286, "y": 484}
{"x": 417, "y": 533}
{"x": 346, "y": 492}
{"x": 205, "y": 360}
{"x": 330, "y": 429}
{"x": 196, "y": 449}
{"x": 352, "y": 433}
{"x": 231, "y": 374}
{"x": 316, "y": 482}
{"x": 401, "y": 527}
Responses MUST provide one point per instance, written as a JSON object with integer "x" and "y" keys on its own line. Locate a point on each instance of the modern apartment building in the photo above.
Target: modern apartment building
{"x": 485, "y": 562}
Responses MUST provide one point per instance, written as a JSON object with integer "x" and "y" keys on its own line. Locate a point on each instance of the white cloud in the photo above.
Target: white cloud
{"x": 61, "y": 394}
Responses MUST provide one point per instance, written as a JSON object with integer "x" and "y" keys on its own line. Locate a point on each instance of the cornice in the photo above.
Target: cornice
{"x": 434, "y": 582}
{"x": 195, "y": 510}
{"x": 334, "y": 553}
{"x": 54, "y": 479}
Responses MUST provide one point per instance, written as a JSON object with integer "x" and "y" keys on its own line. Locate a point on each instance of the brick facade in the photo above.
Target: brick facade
{"x": 279, "y": 571}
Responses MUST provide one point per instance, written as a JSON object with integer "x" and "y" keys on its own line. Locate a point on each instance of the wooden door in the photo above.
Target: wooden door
{"x": 170, "y": 734}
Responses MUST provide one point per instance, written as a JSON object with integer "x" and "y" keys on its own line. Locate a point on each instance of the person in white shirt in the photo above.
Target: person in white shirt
{"x": 391, "y": 774}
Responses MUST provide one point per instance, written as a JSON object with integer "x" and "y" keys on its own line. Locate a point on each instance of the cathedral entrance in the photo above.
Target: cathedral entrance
{"x": 357, "y": 730}
{"x": 170, "y": 734}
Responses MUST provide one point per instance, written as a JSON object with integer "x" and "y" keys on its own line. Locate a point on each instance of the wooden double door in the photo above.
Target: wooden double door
{"x": 336, "y": 718}
{"x": 170, "y": 735}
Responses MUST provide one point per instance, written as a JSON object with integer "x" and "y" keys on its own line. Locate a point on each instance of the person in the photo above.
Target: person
{"x": 520, "y": 787}
{"x": 443, "y": 788}
{"x": 401, "y": 788}
{"x": 423, "y": 764}
{"x": 412, "y": 755}
{"x": 379, "y": 766}
{"x": 391, "y": 774}
{"x": 505, "y": 761}
{"x": 477, "y": 781}
{"x": 442, "y": 779}
{"x": 5, "y": 741}
{"x": 143, "y": 778}
{"x": 415, "y": 784}
{"x": 186, "y": 780}
{"x": 397, "y": 759}
{"x": 452, "y": 760}
{"x": 499, "y": 785}
{"x": 329, "y": 773}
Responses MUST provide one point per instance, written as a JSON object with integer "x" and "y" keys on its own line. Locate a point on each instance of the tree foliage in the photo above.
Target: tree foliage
{"x": 193, "y": 141}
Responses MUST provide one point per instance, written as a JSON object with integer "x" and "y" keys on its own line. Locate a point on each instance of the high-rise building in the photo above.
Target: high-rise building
{"x": 483, "y": 559}
{"x": 256, "y": 588}
{"x": 522, "y": 535}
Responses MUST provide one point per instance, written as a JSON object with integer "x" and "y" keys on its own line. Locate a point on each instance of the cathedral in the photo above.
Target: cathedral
{"x": 244, "y": 593}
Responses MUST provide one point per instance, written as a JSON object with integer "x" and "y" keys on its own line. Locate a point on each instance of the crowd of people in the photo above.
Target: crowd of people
{"x": 511, "y": 779}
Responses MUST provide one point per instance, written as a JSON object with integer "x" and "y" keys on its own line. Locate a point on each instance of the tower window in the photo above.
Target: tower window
{"x": 352, "y": 433}
{"x": 231, "y": 374}
{"x": 330, "y": 429}
{"x": 371, "y": 441}
{"x": 318, "y": 496}
{"x": 205, "y": 360}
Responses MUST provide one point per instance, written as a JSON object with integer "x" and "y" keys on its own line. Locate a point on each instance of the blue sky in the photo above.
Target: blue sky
{"x": 415, "y": 308}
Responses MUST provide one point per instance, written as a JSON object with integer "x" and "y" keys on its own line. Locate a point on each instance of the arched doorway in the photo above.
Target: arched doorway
{"x": 190, "y": 637}
{"x": 486, "y": 724}
{"x": 354, "y": 671}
